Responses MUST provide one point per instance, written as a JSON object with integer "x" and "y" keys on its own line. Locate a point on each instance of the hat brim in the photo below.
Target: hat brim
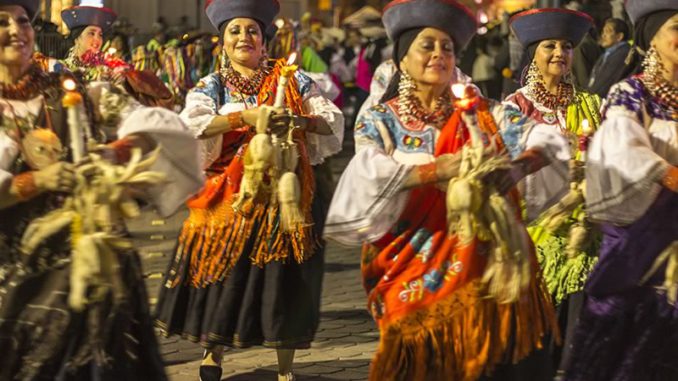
{"x": 220, "y": 11}
{"x": 31, "y": 6}
{"x": 449, "y": 16}
{"x": 80, "y": 16}
{"x": 641, "y": 8}
{"x": 536, "y": 25}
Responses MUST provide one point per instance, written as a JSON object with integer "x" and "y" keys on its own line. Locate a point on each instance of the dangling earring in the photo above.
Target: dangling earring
{"x": 533, "y": 74}
{"x": 407, "y": 101}
{"x": 654, "y": 80}
{"x": 223, "y": 60}
{"x": 652, "y": 64}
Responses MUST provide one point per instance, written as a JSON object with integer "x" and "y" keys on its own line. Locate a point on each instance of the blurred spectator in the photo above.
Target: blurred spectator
{"x": 585, "y": 56}
{"x": 614, "y": 39}
{"x": 483, "y": 72}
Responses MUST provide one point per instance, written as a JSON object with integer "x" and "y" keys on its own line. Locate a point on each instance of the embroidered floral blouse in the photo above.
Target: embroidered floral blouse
{"x": 211, "y": 98}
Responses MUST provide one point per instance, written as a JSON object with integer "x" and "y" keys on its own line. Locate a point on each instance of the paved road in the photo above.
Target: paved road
{"x": 345, "y": 341}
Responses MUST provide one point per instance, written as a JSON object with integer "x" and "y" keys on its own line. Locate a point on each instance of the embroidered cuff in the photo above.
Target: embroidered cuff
{"x": 24, "y": 184}
{"x": 670, "y": 179}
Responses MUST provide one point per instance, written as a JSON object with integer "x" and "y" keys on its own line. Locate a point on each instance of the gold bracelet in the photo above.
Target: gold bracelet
{"x": 427, "y": 173}
{"x": 24, "y": 183}
{"x": 670, "y": 179}
{"x": 235, "y": 120}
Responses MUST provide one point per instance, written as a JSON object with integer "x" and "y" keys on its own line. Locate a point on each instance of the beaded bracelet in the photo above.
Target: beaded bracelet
{"x": 427, "y": 173}
{"x": 24, "y": 183}
{"x": 235, "y": 120}
{"x": 670, "y": 179}
{"x": 122, "y": 149}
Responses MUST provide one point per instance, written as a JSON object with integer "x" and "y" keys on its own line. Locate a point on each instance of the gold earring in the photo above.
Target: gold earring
{"x": 652, "y": 64}
{"x": 533, "y": 73}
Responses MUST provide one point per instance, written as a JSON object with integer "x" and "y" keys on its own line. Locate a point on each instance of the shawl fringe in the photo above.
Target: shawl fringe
{"x": 464, "y": 336}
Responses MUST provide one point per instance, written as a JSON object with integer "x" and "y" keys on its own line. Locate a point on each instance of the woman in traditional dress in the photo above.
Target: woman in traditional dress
{"x": 628, "y": 328}
{"x": 550, "y": 97}
{"x": 47, "y": 331}
{"x": 437, "y": 317}
{"x": 238, "y": 277}
{"x": 87, "y": 27}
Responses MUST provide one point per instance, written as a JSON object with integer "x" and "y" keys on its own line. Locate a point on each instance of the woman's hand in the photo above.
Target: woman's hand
{"x": 59, "y": 177}
{"x": 277, "y": 123}
{"x": 250, "y": 116}
{"x": 280, "y": 122}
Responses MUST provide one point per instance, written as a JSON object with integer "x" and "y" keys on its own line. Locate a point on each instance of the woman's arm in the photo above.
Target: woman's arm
{"x": 58, "y": 177}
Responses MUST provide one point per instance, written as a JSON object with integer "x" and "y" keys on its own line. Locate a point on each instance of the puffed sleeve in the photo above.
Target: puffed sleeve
{"x": 179, "y": 157}
{"x": 369, "y": 198}
{"x": 9, "y": 150}
{"x": 547, "y": 186}
{"x": 624, "y": 164}
{"x": 321, "y": 146}
{"x": 202, "y": 103}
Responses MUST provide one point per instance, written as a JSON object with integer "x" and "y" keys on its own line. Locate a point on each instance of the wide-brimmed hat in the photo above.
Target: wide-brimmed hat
{"x": 536, "y": 25}
{"x": 263, "y": 11}
{"x": 640, "y": 8}
{"x": 31, "y": 6}
{"x": 83, "y": 16}
{"x": 447, "y": 15}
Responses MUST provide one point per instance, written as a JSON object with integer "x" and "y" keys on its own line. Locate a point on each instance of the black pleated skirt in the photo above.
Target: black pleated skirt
{"x": 41, "y": 338}
{"x": 277, "y": 305}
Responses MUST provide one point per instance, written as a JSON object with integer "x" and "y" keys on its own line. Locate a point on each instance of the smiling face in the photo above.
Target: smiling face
{"x": 666, "y": 43}
{"x": 554, "y": 57}
{"x": 430, "y": 59}
{"x": 91, "y": 39}
{"x": 243, "y": 42}
{"x": 16, "y": 36}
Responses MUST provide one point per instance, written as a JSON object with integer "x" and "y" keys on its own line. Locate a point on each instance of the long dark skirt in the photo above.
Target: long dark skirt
{"x": 277, "y": 305}
{"x": 43, "y": 339}
{"x": 628, "y": 331}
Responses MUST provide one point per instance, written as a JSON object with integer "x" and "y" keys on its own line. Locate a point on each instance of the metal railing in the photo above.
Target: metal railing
{"x": 52, "y": 44}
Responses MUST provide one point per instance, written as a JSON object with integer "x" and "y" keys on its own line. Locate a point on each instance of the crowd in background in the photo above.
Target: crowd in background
{"x": 180, "y": 55}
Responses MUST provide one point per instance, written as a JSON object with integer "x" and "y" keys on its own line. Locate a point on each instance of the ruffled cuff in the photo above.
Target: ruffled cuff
{"x": 323, "y": 146}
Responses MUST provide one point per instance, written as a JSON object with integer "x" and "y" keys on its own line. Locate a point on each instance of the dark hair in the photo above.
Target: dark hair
{"x": 75, "y": 33}
{"x": 619, "y": 26}
{"x": 392, "y": 88}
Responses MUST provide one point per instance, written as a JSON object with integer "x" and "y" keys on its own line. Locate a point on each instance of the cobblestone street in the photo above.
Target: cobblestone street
{"x": 344, "y": 343}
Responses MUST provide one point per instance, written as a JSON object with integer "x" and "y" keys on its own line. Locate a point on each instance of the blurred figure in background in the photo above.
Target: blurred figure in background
{"x": 606, "y": 71}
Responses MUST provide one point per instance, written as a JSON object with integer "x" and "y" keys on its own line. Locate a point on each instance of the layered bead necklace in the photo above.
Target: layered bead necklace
{"x": 245, "y": 85}
{"x": 411, "y": 110}
{"x": 537, "y": 90}
{"x": 34, "y": 82}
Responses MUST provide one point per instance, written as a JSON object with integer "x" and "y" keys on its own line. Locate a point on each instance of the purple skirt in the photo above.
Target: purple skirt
{"x": 628, "y": 331}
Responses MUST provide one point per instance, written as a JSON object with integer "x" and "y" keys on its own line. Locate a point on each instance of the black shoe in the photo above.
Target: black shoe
{"x": 210, "y": 373}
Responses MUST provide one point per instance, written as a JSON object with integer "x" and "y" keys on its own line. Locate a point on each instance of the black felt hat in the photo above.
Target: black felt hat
{"x": 31, "y": 6}
{"x": 536, "y": 25}
{"x": 640, "y": 8}
{"x": 83, "y": 16}
{"x": 263, "y": 11}
{"x": 447, "y": 15}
